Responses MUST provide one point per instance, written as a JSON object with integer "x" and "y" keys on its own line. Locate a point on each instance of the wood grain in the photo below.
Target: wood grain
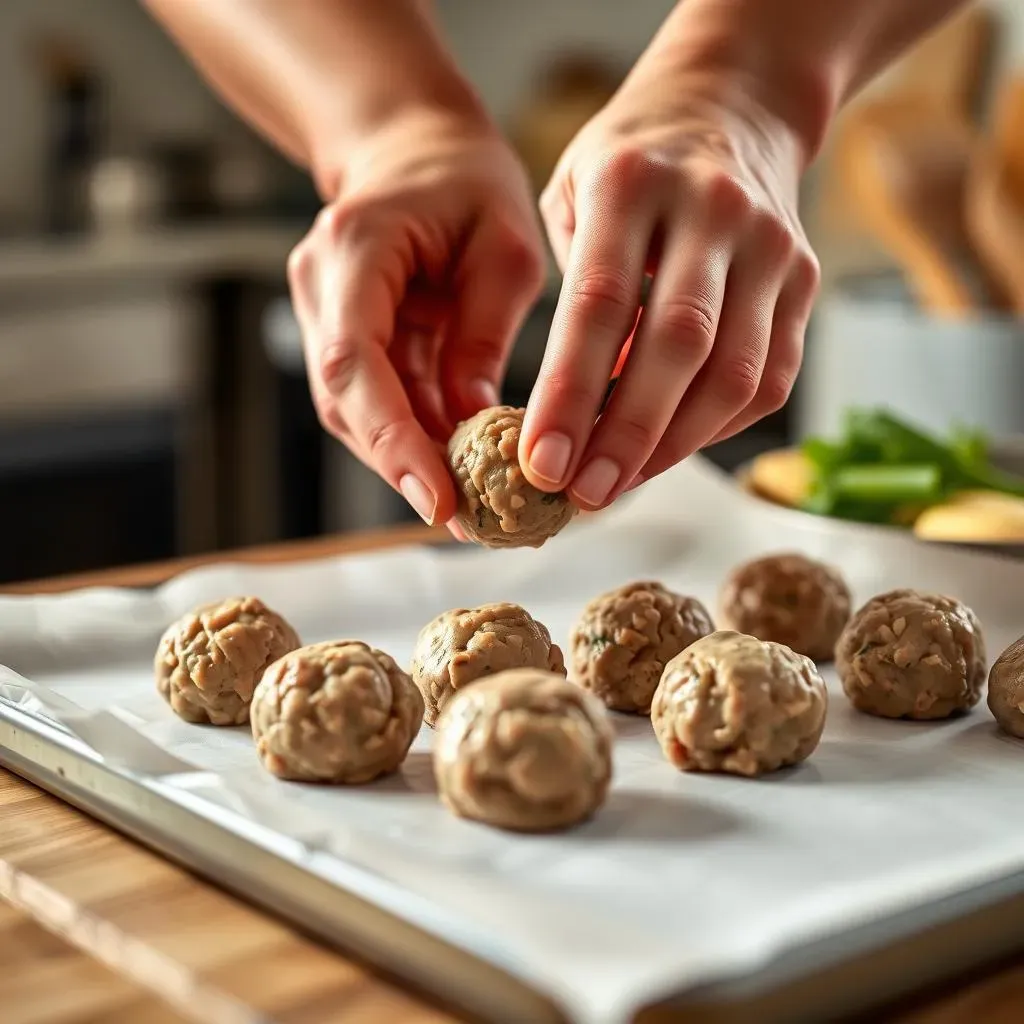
{"x": 45, "y": 980}
{"x": 151, "y": 574}
{"x": 158, "y": 930}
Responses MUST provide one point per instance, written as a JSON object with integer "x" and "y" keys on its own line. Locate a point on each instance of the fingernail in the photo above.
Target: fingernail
{"x": 422, "y": 499}
{"x": 550, "y": 457}
{"x": 594, "y": 484}
{"x": 482, "y": 393}
{"x": 456, "y": 531}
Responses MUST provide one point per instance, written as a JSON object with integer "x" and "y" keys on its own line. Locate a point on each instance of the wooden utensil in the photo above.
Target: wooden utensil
{"x": 948, "y": 69}
{"x": 907, "y": 172}
{"x": 995, "y": 195}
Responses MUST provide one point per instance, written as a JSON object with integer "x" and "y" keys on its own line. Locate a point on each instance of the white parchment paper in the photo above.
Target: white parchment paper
{"x": 681, "y": 879}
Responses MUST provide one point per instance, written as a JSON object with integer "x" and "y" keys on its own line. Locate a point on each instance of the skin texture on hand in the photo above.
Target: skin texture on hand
{"x": 690, "y": 175}
{"x": 410, "y": 290}
{"x": 417, "y": 275}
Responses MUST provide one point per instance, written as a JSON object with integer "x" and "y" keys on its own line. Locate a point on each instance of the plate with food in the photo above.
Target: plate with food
{"x": 883, "y": 470}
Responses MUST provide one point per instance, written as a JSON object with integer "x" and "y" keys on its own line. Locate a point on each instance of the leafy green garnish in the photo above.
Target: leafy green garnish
{"x": 880, "y": 466}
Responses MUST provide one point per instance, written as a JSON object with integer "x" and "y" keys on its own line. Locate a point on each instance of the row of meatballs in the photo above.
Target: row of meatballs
{"x": 524, "y": 748}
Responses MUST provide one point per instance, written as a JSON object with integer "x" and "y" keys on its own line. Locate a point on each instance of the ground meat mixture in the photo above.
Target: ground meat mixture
{"x": 209, "y": 662}
{"x": 906, "y": 654}
{"x": 498, "y": 507}
{"x": 624, "y": 639}
{"x": 338, "y": 712}
{"x": 466, "y": 644}
{"x": 733, "y": 703}
{"x": 524, "y": 750}
{"x": 790, "y": 599}
{"x": 1006, "y": 689}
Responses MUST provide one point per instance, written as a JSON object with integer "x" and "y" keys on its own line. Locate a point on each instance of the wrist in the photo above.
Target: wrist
{"x": 745, "y": 53}
{"x": 410, "y": 78}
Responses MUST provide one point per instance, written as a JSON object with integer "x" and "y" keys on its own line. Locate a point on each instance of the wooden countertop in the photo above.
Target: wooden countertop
{"x": 95, "y": 928}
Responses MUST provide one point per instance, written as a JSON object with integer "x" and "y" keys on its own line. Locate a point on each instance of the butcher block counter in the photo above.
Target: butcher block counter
{"x": 95, "y": 928}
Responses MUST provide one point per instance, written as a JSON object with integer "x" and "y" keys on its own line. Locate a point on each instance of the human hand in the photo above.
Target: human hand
{"x": 684, "y": 176}
{"x": 409, "y": 290}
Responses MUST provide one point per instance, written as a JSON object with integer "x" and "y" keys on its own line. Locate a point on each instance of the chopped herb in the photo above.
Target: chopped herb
{"x": 550, "y": 499}
{"x": 481, "y": 516}
{"x": 599, "y": 643}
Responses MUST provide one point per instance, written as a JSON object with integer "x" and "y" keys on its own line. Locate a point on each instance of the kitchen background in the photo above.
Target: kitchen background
{"x": 152, "y": 399}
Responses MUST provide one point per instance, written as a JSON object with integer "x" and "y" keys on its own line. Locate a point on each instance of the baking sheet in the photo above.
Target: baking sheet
{"x": 682, "y": 880}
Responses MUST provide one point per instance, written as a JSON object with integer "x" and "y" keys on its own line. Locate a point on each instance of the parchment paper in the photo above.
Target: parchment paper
{"x": 681, "y": 879}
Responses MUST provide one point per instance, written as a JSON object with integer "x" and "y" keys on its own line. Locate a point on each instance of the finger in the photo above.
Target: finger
{"x": 729, "y": 379}
{"x": 786, "y": 348}
{"x": 672, "y": 341}
{"x": 361, "y": 284}
{"x": 416, "y": 357}
{"x": 457, "y": 531}
{"x": 595, "y": 313}
{"x": 556, "y": 210}
{"x": 501, "y": 275}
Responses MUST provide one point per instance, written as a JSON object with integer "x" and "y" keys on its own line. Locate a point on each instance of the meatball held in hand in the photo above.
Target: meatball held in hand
{"x": 524, "y": 750}
{"x": 466, "y": 644}
{"x": 209, "y": 662}
{"x": 498, "y": 507}
{"x": 733, "y": 703}
{"x": 907, "y": 654}
{"x": 1006, "y": 689}
{"x": 338, "y": 712}
{"x": 624, "y": 639}
{"x": 789, "y": 599}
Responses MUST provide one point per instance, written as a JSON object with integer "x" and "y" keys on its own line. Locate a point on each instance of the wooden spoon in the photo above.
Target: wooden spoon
{"x": 907, "y": 171}
{"x": 995, "y": 196}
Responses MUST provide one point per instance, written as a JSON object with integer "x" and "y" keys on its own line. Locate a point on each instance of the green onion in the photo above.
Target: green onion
{"x": 890, "y": 485}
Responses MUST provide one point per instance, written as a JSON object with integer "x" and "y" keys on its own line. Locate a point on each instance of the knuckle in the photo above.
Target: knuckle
{"x": 328, "y": 415}
{"x": 628, "y": 170}
{"x": 736, "y": 383}
{"x": 344, "y": 219}
{"x": 339, "y": 364}
{"x": 633, "y": 433}
{"x": 807, "y": 272}
{"x": 300, "y": 266}
{"x": 773, "y": 237}
{"x": 728, "y": 199}
{"x": 602, "y": 295}
{"x": 522, "y": 262}
{"x": 774, "y": 391}
{"x": 382, "y": 437}
{"x": 691, "y": 320}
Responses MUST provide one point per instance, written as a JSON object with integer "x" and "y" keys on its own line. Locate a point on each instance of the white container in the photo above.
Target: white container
{"x": 870, "y": 346}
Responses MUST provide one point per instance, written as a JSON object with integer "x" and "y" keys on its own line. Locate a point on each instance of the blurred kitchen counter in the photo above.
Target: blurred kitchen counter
{"x": 215, "y": 249}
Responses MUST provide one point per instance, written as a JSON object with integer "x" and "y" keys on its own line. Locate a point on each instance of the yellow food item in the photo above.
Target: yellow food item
{"x": 783, "y": 476}
{"x": 978, "y": 517}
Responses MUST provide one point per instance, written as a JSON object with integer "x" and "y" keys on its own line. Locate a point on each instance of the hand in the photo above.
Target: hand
{"x": 685, "y": 177}
{"x": 409, "y": 291}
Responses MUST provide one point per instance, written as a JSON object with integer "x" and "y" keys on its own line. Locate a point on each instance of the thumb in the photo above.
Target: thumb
{"x": 502, "y": 276}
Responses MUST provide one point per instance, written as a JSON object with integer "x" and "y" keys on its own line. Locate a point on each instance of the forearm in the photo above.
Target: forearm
{"x": 801, "y": 58}
{"x": 313, "y": 75}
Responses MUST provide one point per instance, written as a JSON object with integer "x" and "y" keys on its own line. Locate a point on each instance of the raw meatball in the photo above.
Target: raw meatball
{"x": 1006, "y": 689}
{"x": 209, "y": 662}
{"x": 498, "y": 507}
{"x": 524, "y": 750}
{"x": 465, "y": 644}
{"x": 906, "y": 654}
{"x": 790, "y": 599}
{"x": 335, "y": 712}
{"x": 733, "y": 703}
{"x": 624, "y": 639}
